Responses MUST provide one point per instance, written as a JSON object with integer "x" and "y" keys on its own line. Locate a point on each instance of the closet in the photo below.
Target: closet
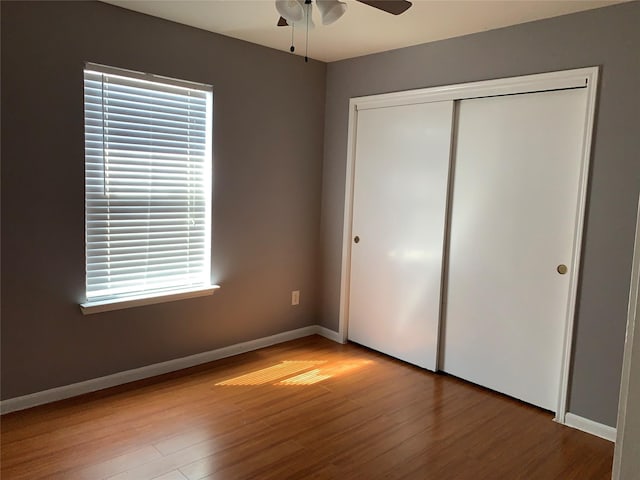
{"x": 463, "y": 227}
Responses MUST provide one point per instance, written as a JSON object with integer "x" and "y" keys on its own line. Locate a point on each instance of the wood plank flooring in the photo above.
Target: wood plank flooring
{"x": 306, "y": 409}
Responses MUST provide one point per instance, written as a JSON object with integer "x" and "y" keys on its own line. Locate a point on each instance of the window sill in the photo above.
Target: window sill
{"x": 98, "y": 306}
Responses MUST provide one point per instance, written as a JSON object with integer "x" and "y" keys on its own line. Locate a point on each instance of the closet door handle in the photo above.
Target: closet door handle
{"x": 562, "y": 269}
{"x": 356, "y": 239}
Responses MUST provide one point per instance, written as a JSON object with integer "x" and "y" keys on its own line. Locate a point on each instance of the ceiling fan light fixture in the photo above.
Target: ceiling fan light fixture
{"x": 331, "y": 10}
{"x": 291, "y": 10}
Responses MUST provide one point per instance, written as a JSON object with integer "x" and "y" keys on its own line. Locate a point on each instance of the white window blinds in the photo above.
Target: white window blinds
{"x": 147, "y": 184}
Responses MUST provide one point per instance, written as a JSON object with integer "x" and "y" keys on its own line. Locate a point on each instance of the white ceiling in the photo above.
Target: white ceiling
{"x": 363, "y": 29}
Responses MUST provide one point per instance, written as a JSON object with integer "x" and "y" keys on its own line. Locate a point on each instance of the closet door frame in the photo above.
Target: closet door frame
{"x": 561, "y": 80}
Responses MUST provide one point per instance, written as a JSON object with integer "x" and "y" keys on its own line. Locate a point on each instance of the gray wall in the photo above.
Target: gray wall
{"x": 608, "y": 37}
{"x": 268, "y": 119}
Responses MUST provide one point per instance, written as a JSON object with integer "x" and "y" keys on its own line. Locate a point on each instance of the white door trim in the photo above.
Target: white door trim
{"x": 577, "y": 250}
{"x": 578, "y": 78}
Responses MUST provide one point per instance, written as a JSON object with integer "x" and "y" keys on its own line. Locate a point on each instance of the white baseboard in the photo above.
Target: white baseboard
{"x": 80, "y": 388}
{"x": 589, "y": 426}
{"x": 330, "y": 334}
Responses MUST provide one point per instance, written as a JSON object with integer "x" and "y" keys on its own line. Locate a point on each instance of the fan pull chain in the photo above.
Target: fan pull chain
{"x": 306, "y": 47}
{"x": 292, "y": 48}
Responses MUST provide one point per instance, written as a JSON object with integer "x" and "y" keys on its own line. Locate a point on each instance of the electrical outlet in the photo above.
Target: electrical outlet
{"x": 295, "y": 297}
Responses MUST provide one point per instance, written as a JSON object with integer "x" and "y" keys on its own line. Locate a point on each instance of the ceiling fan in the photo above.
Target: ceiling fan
{"x": 296, "y": 11}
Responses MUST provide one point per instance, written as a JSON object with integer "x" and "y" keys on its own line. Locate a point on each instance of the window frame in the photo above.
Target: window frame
{"x": 155, "y": 295}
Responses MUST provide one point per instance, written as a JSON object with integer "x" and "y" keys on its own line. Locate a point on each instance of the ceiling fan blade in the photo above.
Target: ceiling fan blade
{"x": 395, "y": 7}
{"x": 282, "y": 22}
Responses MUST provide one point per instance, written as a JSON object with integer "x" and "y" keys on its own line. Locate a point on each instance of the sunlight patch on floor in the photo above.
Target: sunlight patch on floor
{"x": 271, "y": 374}
{"x": 294, "y": 373}
{"x": 307, "y": 378}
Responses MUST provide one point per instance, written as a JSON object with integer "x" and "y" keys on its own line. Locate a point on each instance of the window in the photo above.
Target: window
{"x": 147, "y": 188}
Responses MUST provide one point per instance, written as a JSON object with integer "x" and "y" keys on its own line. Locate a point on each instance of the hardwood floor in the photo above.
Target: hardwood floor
{"x": 306, "y": 409}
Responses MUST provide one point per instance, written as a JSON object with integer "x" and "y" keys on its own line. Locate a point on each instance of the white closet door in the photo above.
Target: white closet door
{"x": 513, "y": 216}
{"x": 400, "y": 193}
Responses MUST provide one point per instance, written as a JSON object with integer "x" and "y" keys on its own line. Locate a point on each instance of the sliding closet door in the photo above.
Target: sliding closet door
{"x": 513, "y": 216}
{"x": 400, "y": 193}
